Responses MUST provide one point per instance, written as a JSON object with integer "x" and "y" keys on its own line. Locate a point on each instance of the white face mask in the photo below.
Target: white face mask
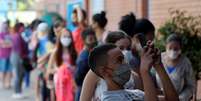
{"x": 173, "y": 54}
{"x": 65, "y": 41}
{"x": 127, "y": 55}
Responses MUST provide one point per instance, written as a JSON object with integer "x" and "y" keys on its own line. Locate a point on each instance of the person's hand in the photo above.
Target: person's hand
{"x": 157, "y": 57}
{"x": 79, "y": 14}
{"x": 146, "y": 59}
{"x": 34, "y": 41}
{"x": 157, "y": 54}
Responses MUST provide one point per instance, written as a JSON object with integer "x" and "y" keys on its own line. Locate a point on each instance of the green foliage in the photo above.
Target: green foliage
{"x": 189, "y": 28}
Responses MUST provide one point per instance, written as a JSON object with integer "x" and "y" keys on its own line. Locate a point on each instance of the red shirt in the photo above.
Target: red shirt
{"x": 78, "y": 42}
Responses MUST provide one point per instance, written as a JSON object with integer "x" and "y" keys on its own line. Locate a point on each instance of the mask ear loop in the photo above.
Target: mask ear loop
{"x": 123, "y": 32}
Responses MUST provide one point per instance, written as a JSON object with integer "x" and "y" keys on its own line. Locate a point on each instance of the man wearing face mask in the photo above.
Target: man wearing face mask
{"x": 107, "y": 61}
{"x": 179, "y": 68}
{"x": 88, "y": 35}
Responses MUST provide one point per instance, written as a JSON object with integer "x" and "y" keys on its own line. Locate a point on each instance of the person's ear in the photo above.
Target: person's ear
{"x": 106, "y": 72}
{"x": 95, "y": 24}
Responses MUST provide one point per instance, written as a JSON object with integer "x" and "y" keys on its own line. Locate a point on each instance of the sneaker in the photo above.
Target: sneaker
{"x": 17, "y": 96}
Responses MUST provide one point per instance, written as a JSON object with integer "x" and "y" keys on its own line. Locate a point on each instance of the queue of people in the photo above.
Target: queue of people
{"x": 94, "y": 64}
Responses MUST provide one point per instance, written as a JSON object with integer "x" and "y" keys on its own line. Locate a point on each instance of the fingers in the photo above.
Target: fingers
{"x": 149, "y": 51}
{"x": 150, "y": 44}
{"x": 158, "y": 52}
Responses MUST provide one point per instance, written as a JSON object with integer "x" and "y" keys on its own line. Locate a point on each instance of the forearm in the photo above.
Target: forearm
{"x": 149, "y": 88}
{"x": 43, "y": 58}
{"x": 51, "y": 64}
{"x": 169, "y": 90}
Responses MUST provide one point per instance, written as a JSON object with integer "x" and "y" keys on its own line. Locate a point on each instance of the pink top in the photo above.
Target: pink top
{"x": 18, "y": 44}
{"x": 64, "y": 86}
{"x": 4, "y": 52}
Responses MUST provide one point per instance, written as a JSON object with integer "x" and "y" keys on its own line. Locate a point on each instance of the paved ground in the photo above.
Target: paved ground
{"x": 5, "y": 95}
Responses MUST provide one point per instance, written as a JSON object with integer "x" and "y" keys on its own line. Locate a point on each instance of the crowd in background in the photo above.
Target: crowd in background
{"x": 93, "y": 63}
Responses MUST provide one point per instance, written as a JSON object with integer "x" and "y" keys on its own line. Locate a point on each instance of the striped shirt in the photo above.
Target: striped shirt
{"x": 5, "y": 52}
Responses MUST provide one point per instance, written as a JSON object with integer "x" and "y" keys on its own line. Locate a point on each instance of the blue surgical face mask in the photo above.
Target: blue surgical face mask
{"x": 127, "y": 55}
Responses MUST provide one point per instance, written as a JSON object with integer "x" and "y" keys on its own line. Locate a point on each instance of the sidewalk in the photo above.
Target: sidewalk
{"x": 5, "y": 94}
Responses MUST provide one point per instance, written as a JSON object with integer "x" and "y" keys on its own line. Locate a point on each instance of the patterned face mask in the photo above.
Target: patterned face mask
{"x": 121, "y": 74}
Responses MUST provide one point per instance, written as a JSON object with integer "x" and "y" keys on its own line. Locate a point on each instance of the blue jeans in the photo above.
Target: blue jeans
{"x": 19, "y": 71}
{"x": 5, "y": 65}
{"x": 44, "y": 91}
{"x": 77, "y": 95}
{"x": 27, "y": 79}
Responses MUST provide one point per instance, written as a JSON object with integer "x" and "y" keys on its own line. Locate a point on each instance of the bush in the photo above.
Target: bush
{"x": 189, "y": 28}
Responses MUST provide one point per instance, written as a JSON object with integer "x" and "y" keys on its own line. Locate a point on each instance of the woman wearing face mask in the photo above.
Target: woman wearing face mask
{"x": 17, "y": 55}
{"x": 122, "y": 41}
{"x": 58, "y": 26}
{"x": 98, "y": 85}
{"x": 62, "y": 65}
{"x": 42, "y": 46}
{"x": 178, "y": 67}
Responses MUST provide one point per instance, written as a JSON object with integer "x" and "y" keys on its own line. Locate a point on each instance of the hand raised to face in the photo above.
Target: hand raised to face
{"x": 147, "y": 58}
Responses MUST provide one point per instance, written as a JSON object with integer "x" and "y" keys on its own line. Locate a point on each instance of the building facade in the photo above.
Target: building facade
{"x": 155, "y": 10}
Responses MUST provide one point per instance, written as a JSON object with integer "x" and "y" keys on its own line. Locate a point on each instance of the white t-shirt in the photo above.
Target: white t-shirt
{"x": 102, "y": 87}
{"x": 123, "y": 95}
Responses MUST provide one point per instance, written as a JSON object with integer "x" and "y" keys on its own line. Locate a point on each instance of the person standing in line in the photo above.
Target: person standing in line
{"x": 42, "y": 46}
{"x": 5, "y": 51}
{"x": 16, "y": 58}
{"x": 61, "y": 67}
{"x": 99, "y": 22}
{"x": 79, "y": 17}
{"x": 82, "y": 66}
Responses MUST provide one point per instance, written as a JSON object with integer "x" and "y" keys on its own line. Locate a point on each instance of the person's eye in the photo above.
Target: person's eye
{"x": 122, "y": 48}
